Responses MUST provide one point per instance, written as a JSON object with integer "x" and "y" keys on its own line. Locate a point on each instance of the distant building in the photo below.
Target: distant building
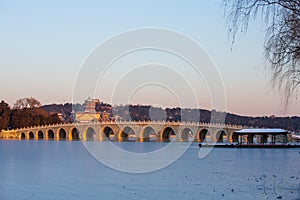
{"x": 90, "y": 105}
{"x": 89, "y": 114}
{"x": 61, "y": 117}
{"x": 105, "y": 116}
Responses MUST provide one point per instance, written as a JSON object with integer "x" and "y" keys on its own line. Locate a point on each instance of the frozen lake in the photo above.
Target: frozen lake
{"x": 66, "y": 170}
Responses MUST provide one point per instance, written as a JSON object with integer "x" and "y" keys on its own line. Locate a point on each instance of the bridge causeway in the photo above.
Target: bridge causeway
{"x": 128, "y": 131}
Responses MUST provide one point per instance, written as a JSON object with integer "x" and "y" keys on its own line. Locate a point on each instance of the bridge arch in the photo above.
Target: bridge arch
{"x": 221, "y": 136}
{"x": 31, "y": 135}
{"x": 62, "y": 135}
{"x": 90, "y": 134}
{"x": 74, "y": 134}
{"x": 202, "y": 134}
{"x": 108, "y": 133}
{"x": 50, "y": 134}
{"x": 148, "y": 133}
{"x": 40, "y": 134}
{"x": 186, "y": 133}
{"x": 167, "y": 132}
{"x": 23, "y": 136}
{"x": 127, "y": 133}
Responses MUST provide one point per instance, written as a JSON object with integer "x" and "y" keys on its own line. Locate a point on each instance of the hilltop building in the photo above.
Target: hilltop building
{"x": 89, "y": 113}
{"x": 89, "y": 105}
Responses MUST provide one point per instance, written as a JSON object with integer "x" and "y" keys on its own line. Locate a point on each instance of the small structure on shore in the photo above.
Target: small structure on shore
{"x": 296, "y": 137}
{"x": 247, "y": 136}
{"x": 257, "y": 138}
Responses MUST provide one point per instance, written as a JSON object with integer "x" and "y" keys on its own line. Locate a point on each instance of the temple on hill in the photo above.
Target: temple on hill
{"x": 89, "y": 113}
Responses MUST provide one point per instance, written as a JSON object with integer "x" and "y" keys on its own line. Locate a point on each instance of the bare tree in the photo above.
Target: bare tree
{"x": 282, "y": 42}
{"x": 27, "y": 103}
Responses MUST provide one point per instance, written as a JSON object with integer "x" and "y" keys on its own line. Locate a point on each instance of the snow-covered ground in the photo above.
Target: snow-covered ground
{"x": 66, "y": 170}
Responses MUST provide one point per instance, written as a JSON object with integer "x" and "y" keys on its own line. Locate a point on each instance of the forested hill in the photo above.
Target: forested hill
{"x": 146, "y": 112}
{"x": 288, "y": 123}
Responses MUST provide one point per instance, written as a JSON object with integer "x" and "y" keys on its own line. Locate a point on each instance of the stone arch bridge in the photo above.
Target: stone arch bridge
{"x": 128, "y": 131}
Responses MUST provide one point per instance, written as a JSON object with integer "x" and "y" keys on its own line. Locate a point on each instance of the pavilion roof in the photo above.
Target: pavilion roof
{"x": 262, "y": 131}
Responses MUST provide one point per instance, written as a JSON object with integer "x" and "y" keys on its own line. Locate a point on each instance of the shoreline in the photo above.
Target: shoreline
{"x": 256, "y": 146}
{"x": 200, "y": 145}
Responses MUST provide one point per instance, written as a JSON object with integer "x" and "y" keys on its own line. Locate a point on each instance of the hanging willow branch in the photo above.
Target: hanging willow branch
{"x": 282, "y": 41}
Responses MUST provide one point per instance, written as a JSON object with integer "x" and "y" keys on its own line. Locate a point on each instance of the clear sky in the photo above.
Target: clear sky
{"x": 44, "y": 43}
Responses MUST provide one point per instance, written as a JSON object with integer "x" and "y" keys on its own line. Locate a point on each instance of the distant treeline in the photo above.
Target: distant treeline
{"x": 17, "y": 118}
{"x": 47, "y": 114}
{"x": 139, "y": 112}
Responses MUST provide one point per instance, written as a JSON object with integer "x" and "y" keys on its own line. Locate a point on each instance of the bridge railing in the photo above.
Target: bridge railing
{"x": 184, "y": 123}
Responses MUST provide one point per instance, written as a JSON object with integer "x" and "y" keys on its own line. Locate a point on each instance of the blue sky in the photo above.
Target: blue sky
{"x": 44, "y": 43}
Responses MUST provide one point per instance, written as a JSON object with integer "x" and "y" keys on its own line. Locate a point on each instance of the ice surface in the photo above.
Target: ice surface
{"x": 65, "y": 170}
